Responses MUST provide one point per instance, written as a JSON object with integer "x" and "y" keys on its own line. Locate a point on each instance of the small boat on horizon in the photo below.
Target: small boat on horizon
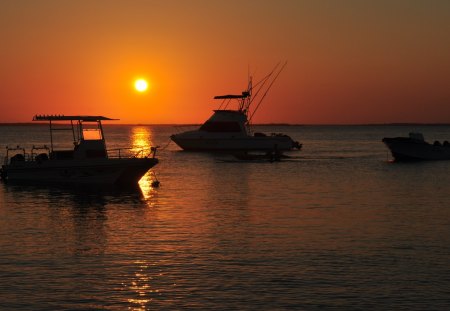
{"x": 88, "y": 163}
{"x": 415, "y": 148}
{"x": 229, "y": 130}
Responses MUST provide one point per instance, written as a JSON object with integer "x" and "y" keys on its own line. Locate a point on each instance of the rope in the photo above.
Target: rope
{"x": 165, "y": 146}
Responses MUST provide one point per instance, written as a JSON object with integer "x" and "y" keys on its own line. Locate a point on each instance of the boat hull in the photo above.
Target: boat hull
{"x": 406, "y": 149}
{"x": 126, "y": 171}
{"x": 244, "y": 143}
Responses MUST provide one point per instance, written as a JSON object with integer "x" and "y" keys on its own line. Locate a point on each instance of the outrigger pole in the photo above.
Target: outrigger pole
{"x": 263, "y": 81}
{"x": 246, "y": 99}
{"x": 268, "y": 88}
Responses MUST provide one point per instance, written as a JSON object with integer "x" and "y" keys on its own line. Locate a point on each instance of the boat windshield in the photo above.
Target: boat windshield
{"x": 220, "y": 126}
{"x": 92, "y": 134}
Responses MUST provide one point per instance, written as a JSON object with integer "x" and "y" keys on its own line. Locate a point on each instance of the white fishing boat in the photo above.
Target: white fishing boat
{"x": 88, "y": 162}
{"x": 415, "y": 148}
{"x": 230, "y": 129}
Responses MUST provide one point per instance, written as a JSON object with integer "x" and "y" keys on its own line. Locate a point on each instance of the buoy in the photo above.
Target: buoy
{"x": 155, "y": 183}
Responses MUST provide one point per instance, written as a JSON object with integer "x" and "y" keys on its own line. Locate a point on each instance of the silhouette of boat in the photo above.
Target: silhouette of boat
{"x": 230, "y": 130}
{"x": 89, "y": 162}
{"x": 415, "y": 148}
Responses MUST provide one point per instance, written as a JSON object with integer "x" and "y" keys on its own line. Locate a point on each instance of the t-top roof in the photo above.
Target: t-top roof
{"x": 70, "y": 118}
{"x": 244, "y": 94}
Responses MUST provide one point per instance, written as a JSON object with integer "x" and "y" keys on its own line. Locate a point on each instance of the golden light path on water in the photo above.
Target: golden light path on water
{"x": 141, "y": 145}
{"x": 140, "y": 285}
{"x": 140, "y": 282}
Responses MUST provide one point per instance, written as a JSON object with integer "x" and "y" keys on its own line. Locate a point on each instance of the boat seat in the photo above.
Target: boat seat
{"x": 17, "y": 158}
{"x": 41, "y": 157}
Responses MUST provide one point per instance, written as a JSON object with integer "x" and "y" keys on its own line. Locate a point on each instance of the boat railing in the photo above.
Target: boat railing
{"x": 38, "y": 155}
{"x": 42, "y": 153}
{"x": 18, "y": 153}
{"x": 120, "y": 153}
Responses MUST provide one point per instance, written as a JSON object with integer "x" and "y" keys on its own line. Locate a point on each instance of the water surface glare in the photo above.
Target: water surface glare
{"x": 337, "y": 226}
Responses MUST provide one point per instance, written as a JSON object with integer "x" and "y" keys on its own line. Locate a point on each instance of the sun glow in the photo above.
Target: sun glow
{"x": 141, "y": 85}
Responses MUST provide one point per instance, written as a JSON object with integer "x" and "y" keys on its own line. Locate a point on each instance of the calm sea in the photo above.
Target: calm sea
{"x": 337, "y": 226}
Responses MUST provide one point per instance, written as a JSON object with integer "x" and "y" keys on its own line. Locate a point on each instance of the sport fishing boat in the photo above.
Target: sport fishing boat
{"x": 415, "y": 148}
{"x": 88, "y": 162}
{"x": 229, "y": 130}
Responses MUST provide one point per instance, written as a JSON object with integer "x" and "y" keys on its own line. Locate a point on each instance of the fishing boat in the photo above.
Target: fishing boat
{"x": 230, "y": 129}
{"x": 415, "y": 148}
{"x": 88, "y": 162}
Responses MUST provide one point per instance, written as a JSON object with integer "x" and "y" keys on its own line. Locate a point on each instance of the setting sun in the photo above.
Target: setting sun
{"x": 141, "y": 85}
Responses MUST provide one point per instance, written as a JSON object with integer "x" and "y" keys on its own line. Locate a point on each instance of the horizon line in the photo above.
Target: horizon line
{"x": 256, "y": 124}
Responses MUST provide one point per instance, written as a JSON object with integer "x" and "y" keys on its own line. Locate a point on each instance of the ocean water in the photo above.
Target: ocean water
{"x": 335, "y": 227}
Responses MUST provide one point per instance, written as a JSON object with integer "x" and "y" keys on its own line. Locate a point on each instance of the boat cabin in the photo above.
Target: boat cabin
{"x": 226, "y": 121}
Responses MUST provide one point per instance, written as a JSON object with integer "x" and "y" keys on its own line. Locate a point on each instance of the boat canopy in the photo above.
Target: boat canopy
{"x": 82, "y": 133}
{"x": 71, "y": 118}
{"x": 244, "y": 94}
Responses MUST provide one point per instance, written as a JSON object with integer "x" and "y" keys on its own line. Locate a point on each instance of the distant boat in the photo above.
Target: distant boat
{"x": 89, "y": 162}
{"x": 230, "y": 130}
{"x": 415, "y": 148}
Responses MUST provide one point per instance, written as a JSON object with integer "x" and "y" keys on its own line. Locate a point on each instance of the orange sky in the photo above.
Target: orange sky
{"x": 348, "y": 61}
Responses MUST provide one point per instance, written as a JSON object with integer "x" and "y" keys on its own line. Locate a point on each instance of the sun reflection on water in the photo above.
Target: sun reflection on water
{"x": 148, "y": 191}
{"x": 141, "y": 287}
{"x": 142, "y": 140}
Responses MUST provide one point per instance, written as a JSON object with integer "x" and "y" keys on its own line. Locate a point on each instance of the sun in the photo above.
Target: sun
{"x": 141, "y": 85}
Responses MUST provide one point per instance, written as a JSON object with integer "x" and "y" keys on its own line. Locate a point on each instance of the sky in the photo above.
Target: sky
{"x": 348, "y": 62}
